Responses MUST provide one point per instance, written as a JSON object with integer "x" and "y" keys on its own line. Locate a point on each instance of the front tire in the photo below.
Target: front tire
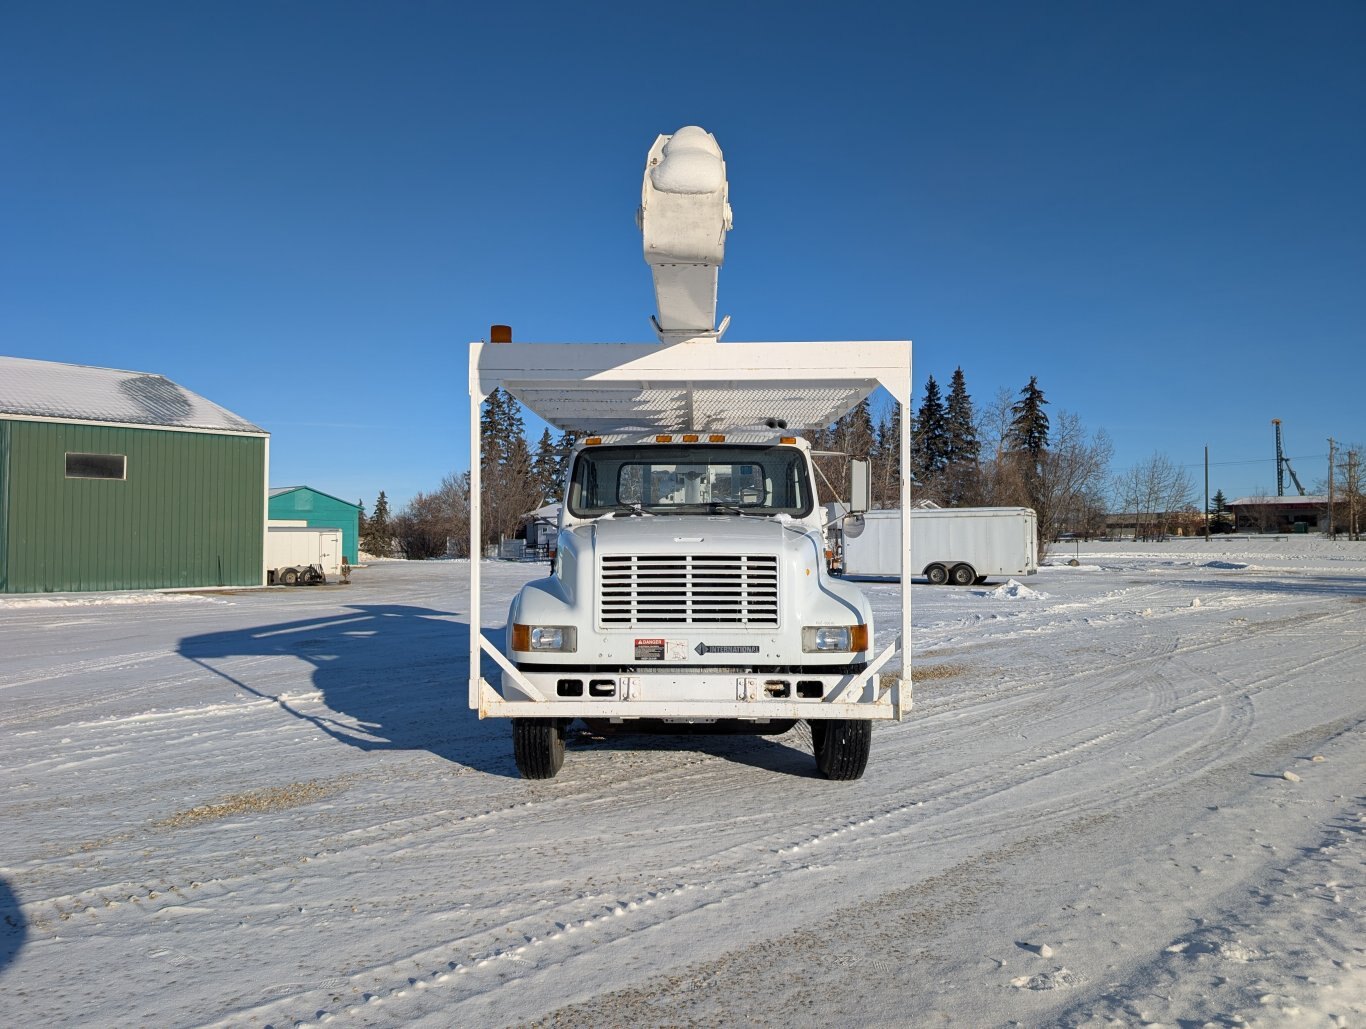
{"x": 842, "y": 746}
{"x": 538, "y": 746}
{"x": 937, "y": 575}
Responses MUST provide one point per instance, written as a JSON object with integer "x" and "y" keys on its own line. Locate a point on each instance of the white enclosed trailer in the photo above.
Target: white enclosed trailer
{"x": 292, "y": 551}
{"x": 960, "y": 545}
{"x": 689, "y": 586}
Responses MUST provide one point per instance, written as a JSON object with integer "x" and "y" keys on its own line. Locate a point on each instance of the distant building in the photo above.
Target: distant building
{"x": 319, "y": 510}
{"x": 1280, "y": 514}
{"x": 114, "y": 479}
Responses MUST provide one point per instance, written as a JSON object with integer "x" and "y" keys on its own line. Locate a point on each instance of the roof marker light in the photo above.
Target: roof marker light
{"x": 716, "y": 438}
{"x": 664, "y": 439}
{"x": 690, "y": 437}
{"x": 592, "y": 441}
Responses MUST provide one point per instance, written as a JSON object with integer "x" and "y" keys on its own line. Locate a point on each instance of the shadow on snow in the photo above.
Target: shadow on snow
{"x": 394, "y": 677}
{"x": 13, "y": 926}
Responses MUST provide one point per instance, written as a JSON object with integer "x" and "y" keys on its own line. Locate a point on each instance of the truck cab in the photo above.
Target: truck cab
{"x": 690, "y": 569}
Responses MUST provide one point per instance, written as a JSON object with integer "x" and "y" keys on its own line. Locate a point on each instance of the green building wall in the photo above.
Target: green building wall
{"x": 321, "y": 511}
{"x": 189, "y": 512}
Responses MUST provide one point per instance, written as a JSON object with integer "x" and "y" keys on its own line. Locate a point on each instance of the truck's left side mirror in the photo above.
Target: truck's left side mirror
{"x": 860, "y": 487}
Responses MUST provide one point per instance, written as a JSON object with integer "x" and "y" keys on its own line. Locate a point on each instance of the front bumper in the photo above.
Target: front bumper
{"x": 855, "y": 691}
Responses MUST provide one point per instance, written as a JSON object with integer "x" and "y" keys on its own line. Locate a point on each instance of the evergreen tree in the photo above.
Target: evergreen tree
{"x": 544, "y": 466}
{"x": 1218, "y": 502}
{"x": 963, "y": 445}
{"x": 930, "y": 443}
{"x": 1028, "y": 432}
{"x": 962, "y": 479}
{"x": 508, "y": 487}
{"x": 886, "y": 460}
{"x": 377, "y": 536}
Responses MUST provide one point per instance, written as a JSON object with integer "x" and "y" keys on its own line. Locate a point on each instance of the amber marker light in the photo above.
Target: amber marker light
{"x": 715, "y": 438}
{"x": 592, "y": 441}
{"x": 690, "y": 438}
{"x": 789, "y": 440}
{"x": 664, "y": 439}
{"x": 521, "y": 637}
{"x": 858, "y": 637}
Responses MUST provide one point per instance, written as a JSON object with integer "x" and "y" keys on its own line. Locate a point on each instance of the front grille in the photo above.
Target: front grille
{"x": 659, "y": 589}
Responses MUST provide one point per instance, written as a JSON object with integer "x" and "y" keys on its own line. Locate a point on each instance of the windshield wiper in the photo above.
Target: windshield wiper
{"x": 716, "y": 507}
{"x": 631, "y": 509}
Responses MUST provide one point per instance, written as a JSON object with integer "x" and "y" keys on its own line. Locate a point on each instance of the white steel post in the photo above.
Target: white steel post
{"x": 476, "y": 529}
{"x": 907, "y": 567}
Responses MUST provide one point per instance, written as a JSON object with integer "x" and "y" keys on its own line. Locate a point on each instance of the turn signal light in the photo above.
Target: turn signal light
{"x": 858, "y": 637}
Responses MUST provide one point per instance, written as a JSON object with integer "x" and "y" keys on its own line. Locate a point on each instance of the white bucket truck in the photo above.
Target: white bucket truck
{"x": 689, "y": 586}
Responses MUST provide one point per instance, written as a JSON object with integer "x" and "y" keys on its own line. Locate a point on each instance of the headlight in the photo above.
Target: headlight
{"x": 834, "y": 638}
{"x": 561, "y": 638}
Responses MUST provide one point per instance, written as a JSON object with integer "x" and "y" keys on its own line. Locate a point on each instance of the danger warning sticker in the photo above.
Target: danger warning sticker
{"x": 649, "y": 650}
{"x": 661, "y": 650}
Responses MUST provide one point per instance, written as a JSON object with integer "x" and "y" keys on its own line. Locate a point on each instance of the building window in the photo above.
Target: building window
{"x": 96, "y": 466}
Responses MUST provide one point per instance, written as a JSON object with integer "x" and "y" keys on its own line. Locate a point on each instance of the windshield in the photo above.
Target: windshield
{"x": 669, "y": 479}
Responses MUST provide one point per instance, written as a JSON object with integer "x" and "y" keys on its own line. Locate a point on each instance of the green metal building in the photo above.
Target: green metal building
{"x": 116, "y": 480}
{"x": 319, "y": 510}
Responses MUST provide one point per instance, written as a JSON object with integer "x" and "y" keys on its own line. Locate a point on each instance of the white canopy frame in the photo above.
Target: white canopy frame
{"x": 602, "y": 388}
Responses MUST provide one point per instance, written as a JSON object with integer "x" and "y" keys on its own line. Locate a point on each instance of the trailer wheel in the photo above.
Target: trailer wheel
{"x": 290, "y": 577}
{"x": 538, "y": 746}
{"x": 963, "y": 575}
{"x": 841, "y": 746}
{"x": 937, "y": 574}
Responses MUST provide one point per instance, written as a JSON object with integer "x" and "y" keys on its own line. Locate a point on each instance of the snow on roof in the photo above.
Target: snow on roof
{"x": 1307, "y": 501}
{"x": 79, "y": 392}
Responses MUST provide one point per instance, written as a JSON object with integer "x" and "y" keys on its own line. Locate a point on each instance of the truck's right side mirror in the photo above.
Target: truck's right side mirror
{"x": 860, "y": 487}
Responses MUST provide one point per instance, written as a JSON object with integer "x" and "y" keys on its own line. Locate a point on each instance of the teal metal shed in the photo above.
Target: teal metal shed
{"x": 114, "y": 479}
{"x": 319, "y": 510}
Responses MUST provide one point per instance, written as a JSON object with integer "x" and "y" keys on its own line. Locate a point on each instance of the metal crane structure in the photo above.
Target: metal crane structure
{"x": 1283, "y": 465}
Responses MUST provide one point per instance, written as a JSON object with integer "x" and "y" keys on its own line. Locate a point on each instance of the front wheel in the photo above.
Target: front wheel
{"x": 538, "y": 746}
{"x": 937, "y": 575}
{"x": 963, "y": 575}
{"x": 842, "y": 746}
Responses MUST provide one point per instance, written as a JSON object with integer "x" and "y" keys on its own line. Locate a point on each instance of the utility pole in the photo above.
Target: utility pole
{"x": 1207, "y": 493}
{"x": 1332, "y": 524}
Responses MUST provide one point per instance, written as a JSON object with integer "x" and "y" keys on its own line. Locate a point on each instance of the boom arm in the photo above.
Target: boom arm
{"x": 684, "y": 216}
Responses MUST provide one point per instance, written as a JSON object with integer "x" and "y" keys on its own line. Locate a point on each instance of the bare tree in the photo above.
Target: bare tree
{"x": 1352, "y": 502}
{"x": 436, "y": 524}
{"x": 1159, "y": 493}
{"x": 1075, "y": 466}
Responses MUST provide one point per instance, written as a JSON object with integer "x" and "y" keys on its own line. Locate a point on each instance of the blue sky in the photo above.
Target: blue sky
{"x": 305, "y": 211}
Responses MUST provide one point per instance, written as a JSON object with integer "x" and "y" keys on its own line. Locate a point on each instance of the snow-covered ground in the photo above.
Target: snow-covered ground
{"x": 1130, "y": 792}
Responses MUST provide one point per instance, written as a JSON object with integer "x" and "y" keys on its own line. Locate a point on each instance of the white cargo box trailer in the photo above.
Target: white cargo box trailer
{"x": 300, "y": 547}
{"x": 961, "y": 545}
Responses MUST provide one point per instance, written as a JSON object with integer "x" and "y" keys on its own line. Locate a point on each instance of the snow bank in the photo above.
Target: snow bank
{"x": 103, "y": 600}
{"x": 1012, "y": 590}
